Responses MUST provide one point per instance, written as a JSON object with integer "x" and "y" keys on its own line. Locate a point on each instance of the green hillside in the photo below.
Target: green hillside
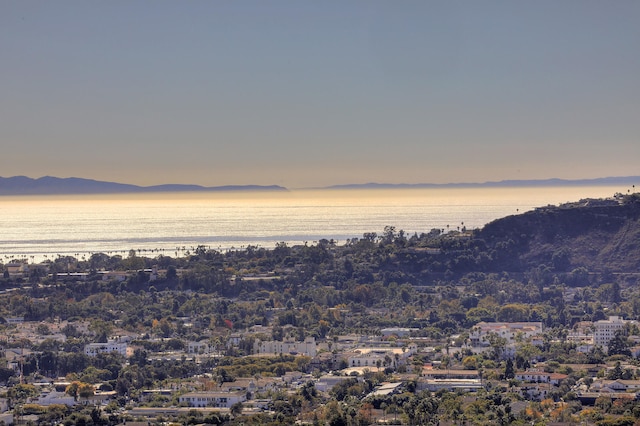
{"x": 597, "y": 234}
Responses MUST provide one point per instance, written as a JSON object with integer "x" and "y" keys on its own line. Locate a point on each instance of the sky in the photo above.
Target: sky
{"x": 306, "y": 94}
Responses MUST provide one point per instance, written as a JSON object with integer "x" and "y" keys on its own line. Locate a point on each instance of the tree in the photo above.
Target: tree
{"x": 498, "y": 344}
{"x": 20, "y": 393}
{"x": 172, "y": 273}
{"x": 616, "y": 373}
{"x": 138, "y": 358}
{"x": 509, "y": 372}
{"x": 72, "y": 390}
{"x": 236, "y": 409}
{"x": 85, "y": 390}
{"x": 619, "y": 345}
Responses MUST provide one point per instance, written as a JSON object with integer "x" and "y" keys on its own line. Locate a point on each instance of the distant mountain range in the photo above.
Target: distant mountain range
{"x": 22, "y": 185}
{"x": 48, "y": 185}
{"x": 607, "y": 181}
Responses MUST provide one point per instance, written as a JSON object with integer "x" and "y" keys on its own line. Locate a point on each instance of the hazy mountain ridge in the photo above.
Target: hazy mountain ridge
{"x": 622, "y": 180}
{"x": 48, "y": 185}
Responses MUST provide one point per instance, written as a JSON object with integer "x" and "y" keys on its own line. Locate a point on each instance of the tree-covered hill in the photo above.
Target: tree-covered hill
{"x": 596, "y": 234}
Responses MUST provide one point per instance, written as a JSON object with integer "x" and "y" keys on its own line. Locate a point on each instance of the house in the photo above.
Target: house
{"x": 533, "y": 376}
{"x": 253, "y": 384}
{"x": 386, "y": 389}
{"x": 534, "y": 391}
{"x": 618, "y": 385}
{"x": 6, "y": 418}
{"x": 430, "y": 373}
{"x": 370, "y": 358}
{"x": 308, "y": 347}
{"x": 434, "y": 385}
{"x": 119, "y": 276}
{"x": 197, "y": 348}
{"x": 15, "y": 357}
{"x": 397, "y": 331}
{"x": 54, "y": 397}
{"x": 17, "y": 269}
{"x": 328, "y": 381}
{"x": 101, "y": 398}
{"x": 93, "y": 349}
{"x": 481, "y": 333}
{"x": 234, "y": 339}
{"x": 581, "y": 333}
{"x": 387, "y": 356}
{"x": 213, "y": 399}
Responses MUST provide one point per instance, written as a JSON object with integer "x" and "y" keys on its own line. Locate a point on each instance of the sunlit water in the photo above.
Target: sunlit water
{"x": 37, "y": 228}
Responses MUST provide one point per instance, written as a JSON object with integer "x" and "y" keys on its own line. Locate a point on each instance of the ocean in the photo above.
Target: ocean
{"x": 37, "y": 228}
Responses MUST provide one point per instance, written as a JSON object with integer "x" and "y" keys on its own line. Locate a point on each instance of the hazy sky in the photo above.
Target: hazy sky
{"x": 302, "y": 93}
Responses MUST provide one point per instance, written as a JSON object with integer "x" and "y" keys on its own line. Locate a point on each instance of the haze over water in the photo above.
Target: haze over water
{"x": 43, "y": 227}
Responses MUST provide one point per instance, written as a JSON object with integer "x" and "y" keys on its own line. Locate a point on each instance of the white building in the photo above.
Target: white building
{"x": 581, "y": 333}
{"x": 387, "y": 356}
{"x": 119, "y": 276}
{"x": 371, "y": 358}
{"x": 531, "y": 376}
{"x": 602, "y": 385}
{"x": 511, "y": 331}
{"x": 197, "y": 348}
{"x": 93, "y": 349}
{"x": 328, "y": 381}
{"x": 397, "y": 331}
{"x": 308, "y": 347}
{"x": 54, "y": 397}
{"x": 605, "y": 330}
{"x": 213, "y": 399}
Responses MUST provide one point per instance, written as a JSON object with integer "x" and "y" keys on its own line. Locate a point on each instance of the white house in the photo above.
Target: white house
{"x": 197, "y": 348}
{"x": 93, "y": 349}
{"x": 328, "y": 381}
{"x": 534, "y": 391}
{"x": 308, "y": 347}
{"x": 510, "y": 331}
{"x": 54, "y": 397}
{"x": 114, "y": 275}
{"x": 371, "y": 358}
{"x": 213, "y": 399}
{"x": 397, "y": 331}
{"x": 616, "y": 385}
{"x": 540, "y": 377}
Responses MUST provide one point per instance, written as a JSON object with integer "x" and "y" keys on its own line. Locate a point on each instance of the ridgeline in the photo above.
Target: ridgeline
{"x": 600, "y": 235}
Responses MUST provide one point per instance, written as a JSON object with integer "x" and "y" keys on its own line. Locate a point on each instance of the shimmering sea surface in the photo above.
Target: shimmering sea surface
{"x": 41, "y": 227}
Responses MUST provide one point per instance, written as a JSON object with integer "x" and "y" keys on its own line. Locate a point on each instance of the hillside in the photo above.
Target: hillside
{"x": 597, "y": 234}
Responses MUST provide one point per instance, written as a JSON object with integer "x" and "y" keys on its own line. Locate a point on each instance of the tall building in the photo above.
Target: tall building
{"x": 605, "y": 330}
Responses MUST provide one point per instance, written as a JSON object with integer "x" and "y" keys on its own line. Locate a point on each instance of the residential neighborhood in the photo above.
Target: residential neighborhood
{"x": 377, "y": 331}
